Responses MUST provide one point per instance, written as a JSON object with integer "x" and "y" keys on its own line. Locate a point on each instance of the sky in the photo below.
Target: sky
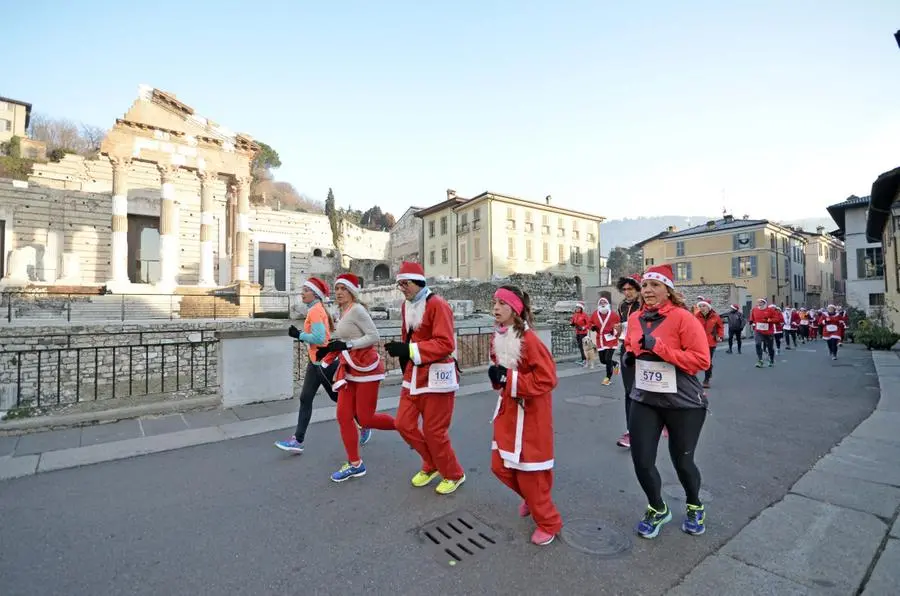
{"x": 623, "y": 109}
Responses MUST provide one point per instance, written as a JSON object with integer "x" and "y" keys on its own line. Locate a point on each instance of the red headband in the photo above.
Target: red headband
{"x": 511, "y": 299}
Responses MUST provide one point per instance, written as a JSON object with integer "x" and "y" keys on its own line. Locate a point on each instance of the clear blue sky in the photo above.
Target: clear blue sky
{"x": 623, "y": 109}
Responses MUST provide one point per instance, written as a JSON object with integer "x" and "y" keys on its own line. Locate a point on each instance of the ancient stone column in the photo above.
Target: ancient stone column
{"x": 241, "y": 257}
{"x": 168, "y": 227}
{"x": 118, "y": 259}
{"x": 206, "y": 229}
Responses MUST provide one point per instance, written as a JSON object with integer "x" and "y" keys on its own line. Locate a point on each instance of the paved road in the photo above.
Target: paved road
{"x": 239, "y": 517}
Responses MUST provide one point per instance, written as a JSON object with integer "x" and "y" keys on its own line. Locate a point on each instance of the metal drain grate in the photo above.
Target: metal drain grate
{"x": 458, "y": 537}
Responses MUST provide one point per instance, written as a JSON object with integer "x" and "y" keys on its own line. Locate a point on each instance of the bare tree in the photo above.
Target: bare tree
{"x": 64, "y": 134}
{"x": 92, "y": 136}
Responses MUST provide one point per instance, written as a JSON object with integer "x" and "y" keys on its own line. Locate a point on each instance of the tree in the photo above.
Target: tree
{"x": 65, "y": 135}
{"x": 624, "y": 261}
{"x": 374, "y": 219}
{"x": 265, "y": 161}
{"x": 12, "y": 148}
{"x": 334, "y": 219}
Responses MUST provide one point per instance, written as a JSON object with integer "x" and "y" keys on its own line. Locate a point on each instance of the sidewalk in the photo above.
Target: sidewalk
{"x": 72, "y": 447}
{"x": 836, "y": 531}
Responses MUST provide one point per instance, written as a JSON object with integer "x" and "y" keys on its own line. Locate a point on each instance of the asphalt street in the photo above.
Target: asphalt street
{"x": 240, "y": 517}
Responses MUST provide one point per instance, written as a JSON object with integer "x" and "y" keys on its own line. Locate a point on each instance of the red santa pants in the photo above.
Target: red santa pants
{"x": 358, "y": 400}
{"x": 535, "y": 488}
{"x": 432, "y": 441}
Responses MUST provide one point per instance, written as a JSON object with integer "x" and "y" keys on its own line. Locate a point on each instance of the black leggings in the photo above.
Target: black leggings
{"x": 833, "y": 346}
{"x": 684, "y": 425}
{"x": 732, "y": 335}
{"x": 708, "y": 373}
{"x": 778, "y": 337}
{"x": 628, "y": 383}
{"x": 790, "y": 334}
{"x": 579, "y": 339}
{"x": 763, "y": 340}
{"x": 606, "y": 357}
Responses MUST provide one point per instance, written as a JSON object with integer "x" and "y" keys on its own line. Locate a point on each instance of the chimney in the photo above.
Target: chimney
{"x": 671, "y": 229}
{"x": 729, "y": 219}
{"x": 746, "y": 217}
{"x": 820, "y": 230}
{"x": 451, "y": 194}
{"x": 711, "y": 224}
{"x": 548, "y": 198}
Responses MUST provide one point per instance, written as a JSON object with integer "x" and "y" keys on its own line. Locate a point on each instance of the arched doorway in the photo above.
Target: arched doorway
{"x": 381, "y": 273}
{"x": 317, "y": 252}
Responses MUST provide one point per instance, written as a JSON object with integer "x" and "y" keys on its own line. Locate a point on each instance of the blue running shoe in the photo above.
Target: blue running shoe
{"x": 364, "y": 435}
{"x": 653, "y": 521}
{"x": 695, "y": 521}
{"x": 291, "y": 445}
{"x": 347, "y": 472}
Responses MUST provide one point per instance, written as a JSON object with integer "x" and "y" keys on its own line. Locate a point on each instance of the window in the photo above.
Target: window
{"x": 431, "y": 258}
{"x": 445, "y": 256}
{"x": 576, "y": 255}
{"x": 560, "y": 232}
{"x": 591, "y": 238}
{"x": 546, "y": 252}
{"x": 576, "y": 235}
{"x": 679, "y": 249}
{"x": 773, "y": 266}
{"x": 784, "y": 245}
{"x": 575, "y": 224}
{"x": 560, "y": 227}
{"x": 476, "y": 247}
{"x": 876, "y": 299}
{"x": 772, "y": 243}
{"x": 462, "y": 252}
{"x": 529, "y": 255}
{"x": 431, "y": 229}
{"x": 510, "y": 224}
{"x": 510, "y": 218}
{"x": 590, "y": 257}
{"x": 545, "y": 230}
{"x": 869, "y": 263}
{"x": 743, "y": 267}
{"x": 648, "y": 262}
{"x": 444, "y": 226}
{"x": 682, "y": 271}
{"x": 529, "y": 226}
{"x": 744, "y": 240}
{"x": 476, "y": 219}
{"x": 528, "y": 216}
{"x": 511, "y": 248}
{"x": 5, "y": 125}
{"x": 562, "y": 255}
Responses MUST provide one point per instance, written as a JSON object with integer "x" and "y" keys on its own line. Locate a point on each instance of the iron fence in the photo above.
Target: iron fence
{"x": 473, "y": 346}
{"x": 31, "y": 306}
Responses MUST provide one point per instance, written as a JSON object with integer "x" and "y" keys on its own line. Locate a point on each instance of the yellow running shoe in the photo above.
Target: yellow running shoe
{"x": 423, "y": 478}
{"x": 445, "y": 487}
{"x": 606, "y": 380}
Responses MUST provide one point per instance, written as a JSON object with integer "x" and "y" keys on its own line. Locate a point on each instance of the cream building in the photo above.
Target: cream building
{"x": 493, "y": 235}
{"x": 825, "y": 276}
{"x": 14, "y": 118}
{"x": 883, "y": 225}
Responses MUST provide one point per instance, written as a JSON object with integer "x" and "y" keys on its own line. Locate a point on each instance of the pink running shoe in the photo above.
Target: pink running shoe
{"x": 524, "y": 511}
{"x": 624, "y": 441}
{"x": 542, "y": 538}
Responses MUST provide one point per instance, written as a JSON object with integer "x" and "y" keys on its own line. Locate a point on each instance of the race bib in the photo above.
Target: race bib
{"x": 762, "y": 326}
{"x": 804, "y": 322}
{"x": 831, "y": 328}
{"x": 658, "y": 377}
{"x": 442, "y": 376}
{"x": 609, "y": 337}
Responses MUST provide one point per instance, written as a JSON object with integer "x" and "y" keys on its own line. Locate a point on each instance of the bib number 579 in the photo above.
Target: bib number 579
{"x": 651, "y": 376}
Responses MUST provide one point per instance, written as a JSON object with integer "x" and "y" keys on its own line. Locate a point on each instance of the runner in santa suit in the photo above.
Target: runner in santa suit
{"x": 791, "y": 321}
{"x": 668, "y": 347}
{"x": 581, "y": 322}
{"x": 763, "y": 319}
{"x": 833, "y": 325}
{"x": 714, "y": 329}
{"x": 427, "y": 357}
{"x": 813, "y": 325}
{"x": 524, "y": 372}
{"x": 604, "y": 323}
{"x": 778, "y": 326}
{"x": 804, "y": 325}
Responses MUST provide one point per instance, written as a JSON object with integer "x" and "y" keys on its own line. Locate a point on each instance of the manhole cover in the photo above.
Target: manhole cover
{"x": 595, "y": 537}
{"x": 677, "y": 492}
{"x": 458, "y": 537}
{"x": 594, "y": 401}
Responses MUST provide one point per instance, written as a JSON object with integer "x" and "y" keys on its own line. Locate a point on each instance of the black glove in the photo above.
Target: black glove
{"x": 571, "y": 324}
{"x": 648, "y": 342}
{"x": 397, "y": 349}
{"x": 594, "y": 329}
{"x": 294, "y": 332}
{"x": 628, "y": 360}
{"x": 337, "y": 346}
{"x": 321, "y": 353}
{"x": 497, "y": 374}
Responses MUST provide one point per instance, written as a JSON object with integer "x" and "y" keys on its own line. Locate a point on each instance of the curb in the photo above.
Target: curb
{"x": 27, "y": 465}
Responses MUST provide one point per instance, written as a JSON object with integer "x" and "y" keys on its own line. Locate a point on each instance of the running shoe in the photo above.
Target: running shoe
{"x": 542, "y": 538}
{"x": 706, "y": 384}
{"x": 446, "y": 487}
{"x": 624, "y": 441}
{"x": 348, "y": 471}
{"x": 771, "y": 364}
{"x": 616, "y": 369}
{"x": 695, "y": 520}
{"x": 423, "y": 478}
{"x": 653, "y": 521}
{"x": 759, "y": 364}
{"x": 524, "y": 511}
{"x": 834, "y": 357}
{"x": 291, "y": 445}
{"x": 365, "y": 434}
{"x": 606, "y": 381}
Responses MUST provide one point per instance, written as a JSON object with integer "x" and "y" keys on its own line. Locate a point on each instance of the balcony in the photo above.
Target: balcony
{"x": 462, "y": 228}
{"x": 476, "y": 224}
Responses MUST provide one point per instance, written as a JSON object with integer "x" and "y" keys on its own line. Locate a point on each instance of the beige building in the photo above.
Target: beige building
{"x": 493, "y": 235}
{"x": 825, "y": 271}
{"x": 14, "y": 118}
{"x": 764, "y": 257}
{"x": 883, "y": 225}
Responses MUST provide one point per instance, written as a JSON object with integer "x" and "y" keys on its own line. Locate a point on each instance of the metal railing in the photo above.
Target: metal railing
{"x": 36, "y": 307}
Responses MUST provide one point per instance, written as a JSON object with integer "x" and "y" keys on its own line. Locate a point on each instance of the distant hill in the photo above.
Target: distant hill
{"x": 626, "y": 232}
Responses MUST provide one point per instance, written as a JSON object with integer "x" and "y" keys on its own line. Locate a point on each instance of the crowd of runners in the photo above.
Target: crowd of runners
{"x": 657, "y": 342}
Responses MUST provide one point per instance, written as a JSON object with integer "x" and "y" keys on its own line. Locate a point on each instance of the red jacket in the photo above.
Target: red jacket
{"x": 523, "y": 418}
{"x": 679, "y": 339}
{"x": 581, "y": 322}
{"x": 764, "y": 319}
{"x": 712, "y": 325}
{"x": 432, "y": 346}
{"x": 833, "y": 326}
{"x": 605, "y": 337}
{"x": 779, "y": 319}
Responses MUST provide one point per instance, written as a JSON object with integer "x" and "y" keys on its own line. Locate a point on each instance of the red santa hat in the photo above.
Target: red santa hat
{"x": 660, "y": 273}
{"x": 735, "y": 307}
{"x": 349, "y": 281}
{"x": 703, "y": 302}
{"x": 411, "y": 271}
{"x": 763, "y": 300}
{"x": 701, "y": 299}
{"x": 318, "y": 287}
{"x": 579, "y": 305}
{"x": 602, "y": 301}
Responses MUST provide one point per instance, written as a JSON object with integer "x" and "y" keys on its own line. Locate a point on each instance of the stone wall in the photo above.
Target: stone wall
{"x": 65, "y": 360}
{"x": 405, "y": 238}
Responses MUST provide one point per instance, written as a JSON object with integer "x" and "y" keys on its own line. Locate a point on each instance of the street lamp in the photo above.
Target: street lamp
{"x": 897, "y": 37}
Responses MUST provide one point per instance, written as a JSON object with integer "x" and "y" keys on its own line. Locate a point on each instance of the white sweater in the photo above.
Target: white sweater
{"x": 357, "y": 328}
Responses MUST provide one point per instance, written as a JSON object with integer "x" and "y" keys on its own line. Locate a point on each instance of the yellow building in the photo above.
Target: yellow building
{"x": 825, "y": 271}
{"x": 495, "y": 235}
{"x": 14, "y": 118}
{"x": 883, "y": 225}
{"x": 764, "y": 257}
